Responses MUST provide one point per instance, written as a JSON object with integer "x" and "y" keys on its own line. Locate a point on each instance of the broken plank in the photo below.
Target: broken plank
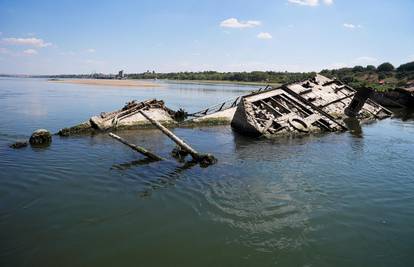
{"x": 139, "y": 149}
{"x": 205, "y": 159}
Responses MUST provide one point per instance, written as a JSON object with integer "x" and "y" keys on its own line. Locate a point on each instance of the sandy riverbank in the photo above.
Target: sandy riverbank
{"x": 105, "y": 82}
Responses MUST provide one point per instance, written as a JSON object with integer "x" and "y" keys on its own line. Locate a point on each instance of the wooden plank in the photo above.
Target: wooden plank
{"x": 313, "y": 106}
{"x": 205, "y": 159}
{"x": 139, "y": 149}
{"x": 272, "y": 108}
{"x": 337, "y": 100}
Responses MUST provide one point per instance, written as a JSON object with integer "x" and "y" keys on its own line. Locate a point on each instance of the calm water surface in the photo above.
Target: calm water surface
{"x": 331, "y": 200}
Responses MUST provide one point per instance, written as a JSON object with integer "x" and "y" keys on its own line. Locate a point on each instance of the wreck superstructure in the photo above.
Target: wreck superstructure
{"x": 337, "y": 99}
{"x": 276, "y": 112}
{"x": 315, "y": 105}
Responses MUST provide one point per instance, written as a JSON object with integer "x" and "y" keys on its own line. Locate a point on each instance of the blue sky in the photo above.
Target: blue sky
{"x": 53, "y": 37}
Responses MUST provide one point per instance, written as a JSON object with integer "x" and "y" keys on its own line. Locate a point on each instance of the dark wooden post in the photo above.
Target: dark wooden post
{"x": 139, "y": 149}
{"x": 204, "y": 159}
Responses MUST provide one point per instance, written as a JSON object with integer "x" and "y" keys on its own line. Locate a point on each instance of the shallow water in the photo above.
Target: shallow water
{"x": 331, "y": 200}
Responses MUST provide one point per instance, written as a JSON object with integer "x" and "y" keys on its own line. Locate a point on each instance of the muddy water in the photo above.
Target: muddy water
{"x": 331, "y": 200}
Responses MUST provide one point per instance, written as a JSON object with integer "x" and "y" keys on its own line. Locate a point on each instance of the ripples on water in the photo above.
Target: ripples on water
{"x": 330, "y": 200}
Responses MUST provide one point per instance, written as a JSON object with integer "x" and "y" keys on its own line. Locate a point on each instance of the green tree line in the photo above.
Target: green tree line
{"x": 382, "y": 77}
{"x": 255, "y": 76}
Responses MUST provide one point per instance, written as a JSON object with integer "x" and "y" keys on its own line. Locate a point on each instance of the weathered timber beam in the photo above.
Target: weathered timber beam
{"x": 313, "y": 106}
{"x": 139, "y": 149}
{"x": 205, "y": 159}
{"x": 272, "y": 108}
{"x": 338, "y": 100}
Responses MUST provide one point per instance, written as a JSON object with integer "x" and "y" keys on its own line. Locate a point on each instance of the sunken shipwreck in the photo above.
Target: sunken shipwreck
{"x": 315, "y": 105}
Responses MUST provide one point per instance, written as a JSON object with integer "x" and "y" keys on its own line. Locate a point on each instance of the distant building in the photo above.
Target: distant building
{"x": 121, "y": 74}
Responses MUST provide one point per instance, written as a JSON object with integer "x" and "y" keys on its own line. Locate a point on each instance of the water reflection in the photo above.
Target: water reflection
{"x": 405, "y": 114}
{"x": 133, "y": 164}
{"x": 166, "y": 180}
{"x": 354, "y": 127}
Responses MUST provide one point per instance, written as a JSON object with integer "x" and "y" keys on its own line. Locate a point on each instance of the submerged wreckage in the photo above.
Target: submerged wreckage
{"x": 311, "y": 106}
{"x": 127, "y": 117}
{"x": 315, "y": 105}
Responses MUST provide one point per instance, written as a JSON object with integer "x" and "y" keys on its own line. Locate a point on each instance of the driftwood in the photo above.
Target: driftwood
{"x": 203, "y": 159}
{"x": 139, "y": 149}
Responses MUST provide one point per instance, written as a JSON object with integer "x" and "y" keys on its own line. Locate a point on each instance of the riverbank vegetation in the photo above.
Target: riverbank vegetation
{"x": 254, "y": 77}
{"x": 383, "y": 77}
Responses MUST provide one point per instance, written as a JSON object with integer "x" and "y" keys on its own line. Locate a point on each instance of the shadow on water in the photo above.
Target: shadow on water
{"x": 406, "y": 114}
{"x": 354, "y": 127}
{"x": 132, "y": 164}
{"x": 282, "y": 147}
{"x": 166, "y": 179}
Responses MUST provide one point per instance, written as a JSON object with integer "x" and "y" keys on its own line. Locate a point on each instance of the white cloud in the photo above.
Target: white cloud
{"x": 235, "y": 23}
{"x": 305, "y": 2}
{"x": 30, "y": 52}
{"x": 411, "y": 57}
{"x": 348, "y": 25}
{"x": 91, "y": 50}
{"x": 36, "y": 42}
{"x": 264, "y": 36}
{"x": 351, "y": 26}
{"x": 310, "y": 2}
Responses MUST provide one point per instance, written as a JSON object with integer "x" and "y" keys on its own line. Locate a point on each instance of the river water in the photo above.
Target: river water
{"x": 342, "y": 199}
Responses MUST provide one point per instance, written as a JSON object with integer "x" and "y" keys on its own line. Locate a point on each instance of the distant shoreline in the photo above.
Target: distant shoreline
{"x": 107, "y": 82}
{"x": 150, "y": 83}
{"x": 221, "y": 82}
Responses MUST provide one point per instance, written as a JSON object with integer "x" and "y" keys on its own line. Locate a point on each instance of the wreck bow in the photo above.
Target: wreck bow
{"x": 128, "y": 117}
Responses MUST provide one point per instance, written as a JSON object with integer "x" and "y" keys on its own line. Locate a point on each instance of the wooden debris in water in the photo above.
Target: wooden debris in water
{"x": 139, "y": 149}
{"x": 203, "y": 159}
{"x": 127, "y": 115}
